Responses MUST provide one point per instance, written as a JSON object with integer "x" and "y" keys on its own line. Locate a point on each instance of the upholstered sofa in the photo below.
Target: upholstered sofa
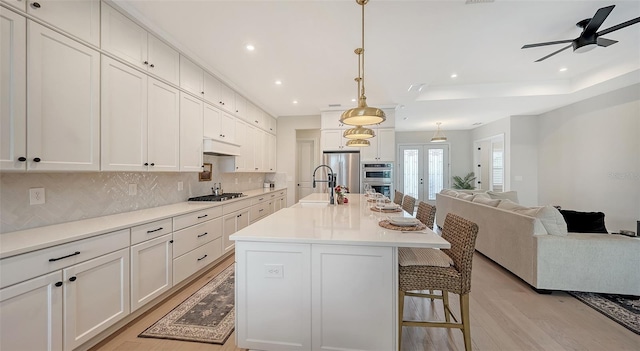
{"x": 522, "y": 243}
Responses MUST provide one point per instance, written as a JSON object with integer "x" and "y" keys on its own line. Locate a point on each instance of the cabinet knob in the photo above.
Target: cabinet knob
{"x": 152, "y": 65}
{"x": 58, "y": 284}
{"x": 37, "y": 159}
{"x": 171, "y": 241}
{"x": 240, "y": 215}
{"x": 202, "y": 92}
{"x": 72, "y": 279}
{"x": 153, "y": 164}
{"x": 146, "y": 62}
{"x": 22, "y": 158}
{"x": 35, "y": 5}
{"x": 146, "y": 163}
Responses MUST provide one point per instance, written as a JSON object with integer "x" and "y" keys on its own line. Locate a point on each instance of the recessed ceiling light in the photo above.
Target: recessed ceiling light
{"x": 278, "y": 82}
{"x": 454, "y": 75}
{"x": 250, "y": 47}
{"x": 563, "y": 69}
{"x": 295, "y": 101}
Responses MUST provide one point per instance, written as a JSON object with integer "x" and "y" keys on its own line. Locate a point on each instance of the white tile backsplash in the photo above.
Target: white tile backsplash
{"x": 75, "y": 196}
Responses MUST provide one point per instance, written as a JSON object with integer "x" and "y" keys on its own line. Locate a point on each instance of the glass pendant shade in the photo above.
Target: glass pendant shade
{"x": 358, "y": 143}
{"x": 358, "y": 133}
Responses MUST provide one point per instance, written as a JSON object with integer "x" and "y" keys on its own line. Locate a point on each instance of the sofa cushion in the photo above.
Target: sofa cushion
{"x": 509, "y": 195}
{"x": 584, "y": 222}
{"x": 550, "y": 217}
{"x": 486, "y": 201}
{"x": 449, "y": 192}
{"x": 413, "y": 256}
{"x": 483, "y": 195}
{"x": 509, "y": 205}
{"x": 466, "y": 197}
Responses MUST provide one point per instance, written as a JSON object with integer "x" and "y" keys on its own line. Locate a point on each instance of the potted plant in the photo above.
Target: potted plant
{"x": 464, "y": 183}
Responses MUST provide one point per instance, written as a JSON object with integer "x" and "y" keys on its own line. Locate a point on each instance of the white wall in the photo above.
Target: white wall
{"x": 589, "y": 157}
{"x": 524, "y": 158}
{"x": 286, "y": 148}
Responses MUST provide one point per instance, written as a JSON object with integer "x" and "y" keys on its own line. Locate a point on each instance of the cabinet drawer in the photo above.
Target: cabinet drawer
{"x": 190, "y": 238}
{"x": 193, "y": 261}
{"x": 235, "y": 206}
{"x": 26, "y": 266}
{"x": 258, "y": 211}
{"x": 259, "y": 199}
{"x": 193, "y": 218}
{"x": 150, "y": 230}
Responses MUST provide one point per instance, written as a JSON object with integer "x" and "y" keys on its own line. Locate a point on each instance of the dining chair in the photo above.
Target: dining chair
{"x": 426, "y": 214}
{"x": 447, "y": 270}
{"x": 397, "y": 198}
{"x": 408, "y": 204}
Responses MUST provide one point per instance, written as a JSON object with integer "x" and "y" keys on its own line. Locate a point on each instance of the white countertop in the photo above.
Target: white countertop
{"x": 23, "y": 241}
{"x": 314, "y": 221}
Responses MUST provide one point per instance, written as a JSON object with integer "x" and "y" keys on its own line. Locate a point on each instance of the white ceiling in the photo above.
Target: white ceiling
{"x": 308, "y": 45}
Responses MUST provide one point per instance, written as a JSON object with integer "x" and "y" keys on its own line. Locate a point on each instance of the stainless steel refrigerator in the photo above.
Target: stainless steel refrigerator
{"x": 346, "y": 166}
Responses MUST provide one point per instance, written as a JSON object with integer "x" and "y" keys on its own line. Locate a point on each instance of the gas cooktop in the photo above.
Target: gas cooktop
{"x": 222, "y": 197}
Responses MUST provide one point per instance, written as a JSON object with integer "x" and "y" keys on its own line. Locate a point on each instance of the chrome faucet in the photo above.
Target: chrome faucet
{"x": 331, "y": 180}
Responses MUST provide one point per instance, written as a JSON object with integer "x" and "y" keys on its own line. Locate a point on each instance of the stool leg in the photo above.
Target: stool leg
{"x": 400, "y": 317}
{"x": 445, "y": 302}
{"x": 466, "y": 323}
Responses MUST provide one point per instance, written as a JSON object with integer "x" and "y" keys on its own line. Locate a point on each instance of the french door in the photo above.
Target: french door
{"x": 423, "y": 170}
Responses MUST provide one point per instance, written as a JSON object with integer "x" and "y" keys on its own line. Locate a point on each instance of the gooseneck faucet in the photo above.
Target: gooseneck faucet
{"x": 331, "y": 180}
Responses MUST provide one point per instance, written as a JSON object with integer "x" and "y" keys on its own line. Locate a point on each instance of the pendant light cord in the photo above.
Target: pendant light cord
{"x": 362, "y": 57}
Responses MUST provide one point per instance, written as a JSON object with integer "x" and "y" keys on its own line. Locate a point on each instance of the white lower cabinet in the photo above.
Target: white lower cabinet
{"x": 315, "y": 297}
{"x": 195, "y": 260}
{"x": 31, "y": 317}
{"x": 231, "y": 223}
{"x": 151, "y": 270}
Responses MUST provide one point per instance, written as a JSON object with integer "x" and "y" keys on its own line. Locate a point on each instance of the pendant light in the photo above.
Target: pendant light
{"x": 358, "y": 133}
{"x": 362, "y": 115}
{"x": 358, "y": 143}
{"x": 438, "y": 137}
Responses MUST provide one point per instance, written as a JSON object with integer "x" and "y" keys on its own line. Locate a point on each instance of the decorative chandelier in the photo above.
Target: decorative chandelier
{"x": 362, "y": 115}
{"x": 358, "y": 143}
{"x": 358, "y": 132}
{"x": 438, "y": 137}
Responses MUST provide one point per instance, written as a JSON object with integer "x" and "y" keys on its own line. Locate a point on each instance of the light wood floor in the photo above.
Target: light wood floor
{"x": 506, "y": 314}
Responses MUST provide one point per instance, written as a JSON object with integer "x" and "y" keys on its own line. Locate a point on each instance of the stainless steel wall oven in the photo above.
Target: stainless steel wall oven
{"x": 379, "y": 175}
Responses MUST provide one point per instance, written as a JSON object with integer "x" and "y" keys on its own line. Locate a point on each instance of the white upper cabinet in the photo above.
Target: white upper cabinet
{"x": 331, "y": 120}
{"x": 63, "y": 112}
{"x": 19, "y": 4}
{"x": 271, "y": 152}
{"x": 130, "y": 42}
{"x": 13, "y": 98}
{"x": 191, "y": 125}
{"x": 219, "y": 125}
{"x": 218, "y": 94}
{"x": 332, "y": 140}
{"x": 241, "y": 139}
{"x": 78, "y": 18}
{"x": 382, "y": 147}
{"x": 191, "y": 77}
{"x": 227, "y": 98}
{"x": 273, "y": 125}
{"x": 140, "y": 121}
{"x": 241, "y": 106}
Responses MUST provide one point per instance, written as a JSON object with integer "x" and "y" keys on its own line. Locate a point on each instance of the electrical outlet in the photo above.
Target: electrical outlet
{"x": 273, "y": 271}
{"x": 36, "y": 196}
{"x": 133, "y": 189}
{"x": 180, "y": 186}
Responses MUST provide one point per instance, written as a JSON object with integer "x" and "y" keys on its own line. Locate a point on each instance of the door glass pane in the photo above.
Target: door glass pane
{"x": 498, "y": 171}
{"x": 411, "y": 172}
{"x": 436, "y": 172}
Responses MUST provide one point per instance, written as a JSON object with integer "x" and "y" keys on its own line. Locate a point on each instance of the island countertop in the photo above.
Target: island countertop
{"x": 313, "y": 220}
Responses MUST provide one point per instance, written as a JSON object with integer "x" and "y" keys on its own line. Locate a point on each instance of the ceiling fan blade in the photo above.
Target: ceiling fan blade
{"x": 619, "y": 26}
{"x": 547, "y": 43}
{"x": 606, "y": 42}
{"x": 553, "y": 53}
{"x": 597, "y": 20}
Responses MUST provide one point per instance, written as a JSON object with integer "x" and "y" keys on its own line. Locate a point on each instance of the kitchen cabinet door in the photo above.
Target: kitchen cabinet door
{"x": 96, "y": 295}
{"x": 249, "y": 151}
{"x": 63, "y": 111}
{"x": 227, "y": 98}
{"x": 151, "y": 270}
{"x": 123, "y": 38}
{"x": 386, "y": 144}
{"x": 219, "y": 125}
{"x": 13, "y": 98}
{"x": 191, "y": 76}
{"x": 241, "y": 139}
{"x": 332, "y": 140}
{"x": 78, "y": 18}
{"x": 191, "y": 110}
{"x": 211, "y": 90}
{"x": 273, "y": 125}
{"x": 18, "y": 4}
{"x": 163, "y": 60}
{"x": 124, "y": 117}
{"x": 271, "y": 147}
{"x": 31, "y": 314}
{"x": 164, "y": 127}
{"x": 241, "y": 106}
{"x": 259, "y": 151}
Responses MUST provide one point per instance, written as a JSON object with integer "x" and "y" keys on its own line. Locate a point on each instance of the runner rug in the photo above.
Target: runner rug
{"x": 207, "y": 316}
{"x": 624, "y": 310}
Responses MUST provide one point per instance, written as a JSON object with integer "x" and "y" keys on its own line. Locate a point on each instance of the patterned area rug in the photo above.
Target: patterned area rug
{"x": 624, "y": 310}
{"x": 207, "y": 316}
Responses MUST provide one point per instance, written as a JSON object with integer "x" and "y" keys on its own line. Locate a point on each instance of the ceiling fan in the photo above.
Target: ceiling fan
{"x": 589, "y": 38}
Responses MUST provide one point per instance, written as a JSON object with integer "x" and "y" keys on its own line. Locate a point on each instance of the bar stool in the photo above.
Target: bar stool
{"x": 397, "y": 198}
{"x": 408, "y": 204}
{"x": 426, "y": 214}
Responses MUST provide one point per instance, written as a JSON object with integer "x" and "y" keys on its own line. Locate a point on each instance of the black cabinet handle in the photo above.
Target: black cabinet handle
{"x": 202, "y": 258}
{"x": 146, "y": 62}
{"x": 262, "y": 209}
{"x": 22, "y": 158}
{"x": 202, "y": 92}
{"x": 63, "y": 257}
{"x": 153, "y": 164}
{"x": 152, "y": 65}
{"x": 155, "y": 230}
{"x": 240, "y": 215}
{"x": 58, "y": 284}
{"x": 262, "y": 198}
{"x": 146, "y": 163}
{"x": 203, "y": 216}
{"x": 35, "y": 5}
{"x": 171, "y": 241}
{"x": 72, "y": 279}
{"x": 37, "y": 159}
{"x": 203, "y": 234}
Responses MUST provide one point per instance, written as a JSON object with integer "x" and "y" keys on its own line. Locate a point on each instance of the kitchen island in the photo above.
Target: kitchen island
{"x": 321, "y": 277}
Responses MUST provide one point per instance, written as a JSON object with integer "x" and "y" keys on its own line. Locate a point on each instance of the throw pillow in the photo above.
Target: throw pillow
{"x": 584, "y": 222}
{"x": 449, "y": 192}
{"x": 466, "y": 197}
{"x": 509, "y": 205}
{"x": 550, "y": 218}
{"x": 483, "y": 195}
{"x": 486, "y": 201}
{"x": 509, "y": 195}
